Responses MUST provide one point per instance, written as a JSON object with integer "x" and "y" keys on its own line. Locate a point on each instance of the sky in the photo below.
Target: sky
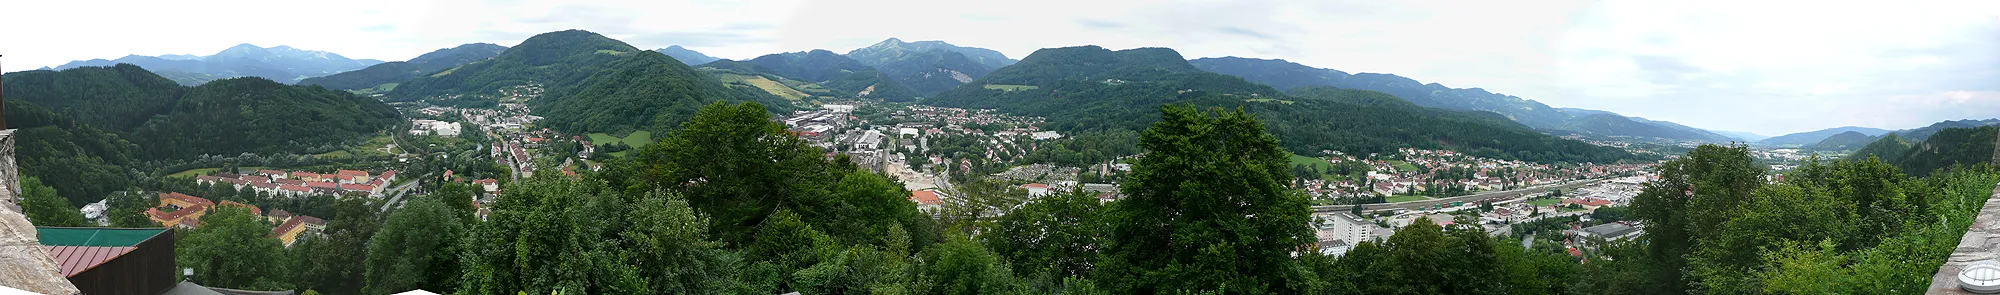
{"x": 1768, "y": 67}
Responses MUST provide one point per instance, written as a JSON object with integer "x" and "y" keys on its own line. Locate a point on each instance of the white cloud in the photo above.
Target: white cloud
{"x": 1763, "y": 66}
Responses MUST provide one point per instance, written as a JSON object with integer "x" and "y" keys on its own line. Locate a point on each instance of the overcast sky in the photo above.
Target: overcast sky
{"x": 1766, "y": 67}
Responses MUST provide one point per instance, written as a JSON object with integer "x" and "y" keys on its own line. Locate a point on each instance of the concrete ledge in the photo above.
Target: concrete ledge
{"x": 1980, "y": 242}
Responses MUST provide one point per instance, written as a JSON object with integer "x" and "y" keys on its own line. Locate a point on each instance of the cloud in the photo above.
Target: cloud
{"x": 1099, "y": 24}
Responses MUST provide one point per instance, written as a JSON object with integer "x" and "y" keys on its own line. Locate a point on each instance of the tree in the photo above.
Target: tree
{"x": 961, "y": 266}
{"x": 232, "y": 249}
{"x": 417, "y": 248}
{"x": 1690, "y": 202}
{"x": 44, "y": 208}
{"x": 128, "y": 210}
{"x": 340, "y": 265}
{"x": 1207, "y": 210}
{"x": 1054, "y": 236}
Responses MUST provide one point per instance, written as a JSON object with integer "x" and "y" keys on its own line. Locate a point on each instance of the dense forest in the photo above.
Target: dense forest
{"x": 1943, "y": 148}
{"x": 118, "y": 98}
{"x": 1089, "y": 88}
{"x": 253, "y": 115}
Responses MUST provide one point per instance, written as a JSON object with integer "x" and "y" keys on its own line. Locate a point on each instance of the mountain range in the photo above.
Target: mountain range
{"x": 1945, "y": 147}
{"x": 390, "y": 73}
{"x": 930, "y": 67}
{"x": 1289, "y": 75}
{"x": 1089, "y": 88}
{"x": 282, "y": 63}
{"x": 687, "y": 56}
{"x": 592, "y": 84}
{"x": 1914, "y": 134}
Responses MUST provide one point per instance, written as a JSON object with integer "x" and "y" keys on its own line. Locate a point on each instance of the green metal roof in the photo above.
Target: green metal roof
{"x": 95, "y": 236}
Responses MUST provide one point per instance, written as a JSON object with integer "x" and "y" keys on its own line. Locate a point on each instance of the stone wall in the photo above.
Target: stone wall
{"x": 1980, "y": 242}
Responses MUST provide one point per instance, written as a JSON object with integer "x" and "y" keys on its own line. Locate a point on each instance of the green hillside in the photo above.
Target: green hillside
{"x": 843, "y": 77}
{"x": 394, "y": 72}
{"x": 1092, "y": 88}
{"x": 929, "y": 67}
{"x": 116, "y": 98}
{"x": 1844, "y": 141}
{"x": 239, "y": 115}
{"x": 594, "y": 84}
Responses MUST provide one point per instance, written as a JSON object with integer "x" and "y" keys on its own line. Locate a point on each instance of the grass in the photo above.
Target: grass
{"x": 611, "y": 52}
{"x": 190, "y": 173}
{"x": 773, "y": 87}
{"x": 1005, "y": 87}
{"x": 335, "y": 154}
{"x": 445, "y": 72}
{"x": 1545, "y": 202}
{"x": 1402, "y": 166}
{"x": 635, "y": 140}
{"x": 1400, "y": 199}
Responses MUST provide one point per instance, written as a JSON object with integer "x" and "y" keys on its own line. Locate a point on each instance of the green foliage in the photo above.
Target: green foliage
{"x": 1843, "y": 227}
{"x": 961, "y": 266}
{"x": 417, "y": 248}
{"x": 338, "y": 264}
{"x": 1053, "y": 236}
{"x": 739, "y": 167}
{"x": 231, "y": 249}
{"x": 570, "y": 235}
{"x": 44, "y": 208}
{"x": 119, "y": 98}
{"x": 81, "y": 162}
{"x": 1844, "y": 141}
{"x": 1206, "y": 209}
{"x": 840, "y": 74}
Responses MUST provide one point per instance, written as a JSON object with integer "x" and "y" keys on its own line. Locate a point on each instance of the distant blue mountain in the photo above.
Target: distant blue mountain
{"x": 283, "y": 64}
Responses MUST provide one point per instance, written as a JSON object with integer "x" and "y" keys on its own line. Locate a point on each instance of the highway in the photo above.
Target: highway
{"x": 1466, "y": 198}
{"x": 396, "y": 195}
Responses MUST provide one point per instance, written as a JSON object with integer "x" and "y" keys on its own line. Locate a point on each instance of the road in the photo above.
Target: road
{"x": 1466, "y": 198}
{"x": 396, "y": 194}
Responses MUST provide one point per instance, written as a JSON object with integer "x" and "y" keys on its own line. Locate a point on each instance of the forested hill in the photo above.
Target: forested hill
{"x": 117, "y": 98}
{"x": 1922, "y": 133}
{"x": 100, "y": 123}
{"x": 844, "y": 76}
{"x": 1844, "y": 141}
{"x": 1090, "y": 88}
{"x": 593, "y": 83}
{"x": 232, "y": 116}
{"x": 1945, "y": 148}
{"x": 1811, "y": 137}
{"x": 929, "y": 67}
{"x": 396, "y": 72}
{"x": 1288, "y": 75}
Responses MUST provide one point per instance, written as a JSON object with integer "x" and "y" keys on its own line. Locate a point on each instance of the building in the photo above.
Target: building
{"x": 177, "y": 209}
{"x": 137, "y": 261}
{"x": 927, "y": 201}
{"x": 1610, "y": 231}
{"x": 1036, "y": 189}
{"x": 1343, "y": 226}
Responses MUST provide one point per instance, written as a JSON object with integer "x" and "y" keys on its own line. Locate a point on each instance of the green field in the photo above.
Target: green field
{"x": 611, "y": 52}
{"x": 1545, "y": 202}
{"x": 191, "y": 173}
{"x": 773, "y": 87}
{"x": 1011, "y": 87}
{"x": 1310, "y": 162}
{"x": 1402, "y": 166}
{"x": 1400, "y": 199}
{"x": 635, "y": 140}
